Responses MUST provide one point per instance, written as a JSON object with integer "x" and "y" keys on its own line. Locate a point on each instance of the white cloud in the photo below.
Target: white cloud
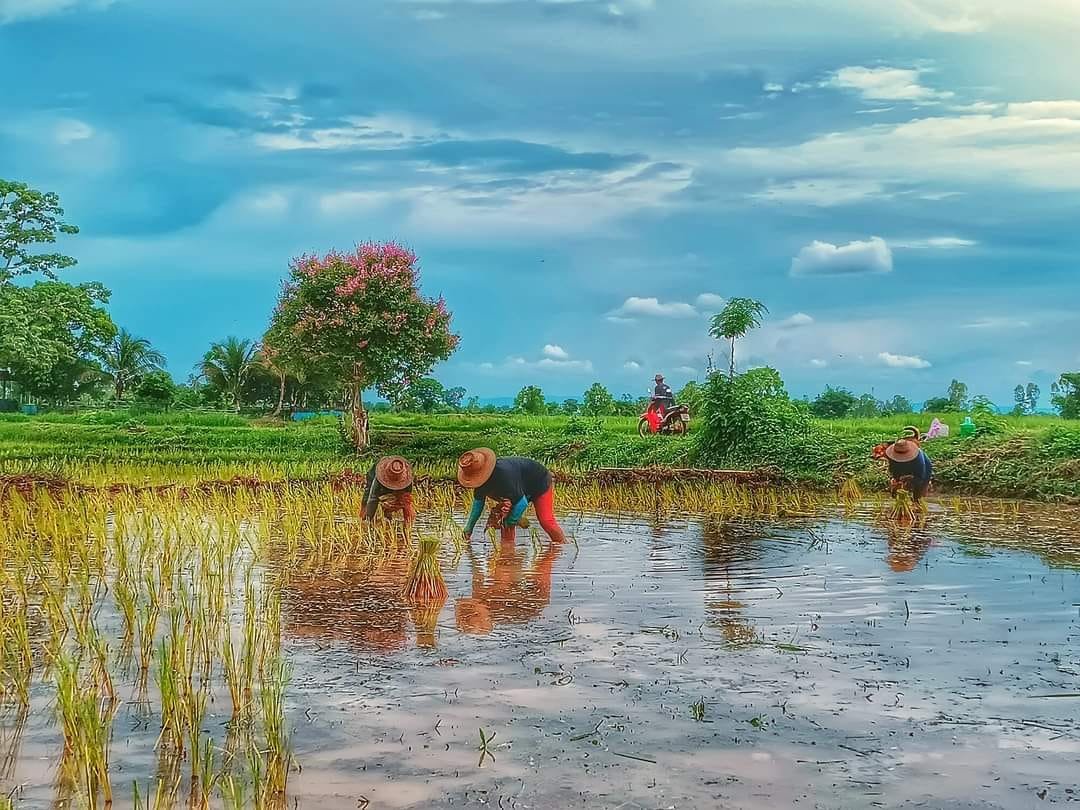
{"x": 936, "y": 151}
{"x": 883, "y": 83}
{"x": 685, "y": 370}
{"x": 855, "y": 258}
{"x": 555, "y": 359}
{"x": 710, "y": 301}
{"x": 565, "y": 201}
{"x": 376, "y": 132}
{"x": 799, "y": 319}
{"x": 773, "y": 88}
{"x": 817, "y": 362}
{"x": 632, "y": 365}
{"x": 934, "y": 243}
{"x": 823, "y": 192}
{"x": 653, "y": 307}
{"x": 555, "y": 352}
{"x": 1067, "y": 108}
{"x": 1001, "y": 322}
{"x": 1024, "y": 363}
{"x": 70, "y": 130}
{"x": 902, "y": 360}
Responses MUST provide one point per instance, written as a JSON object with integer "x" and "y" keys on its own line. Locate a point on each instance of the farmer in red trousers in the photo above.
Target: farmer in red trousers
{"x": 519, "y": 481}
{"x": 389, "y": 484}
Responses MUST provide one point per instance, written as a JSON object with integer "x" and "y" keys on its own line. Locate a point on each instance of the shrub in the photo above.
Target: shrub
{"x": 750, "y": 420}
{"x": 155, "y": 390}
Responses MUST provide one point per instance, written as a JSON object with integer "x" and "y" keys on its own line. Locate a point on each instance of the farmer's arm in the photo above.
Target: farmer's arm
{"x": 515, "y": 514}
{"x": 474, "y": 514}
{"x": 371, "y": 499}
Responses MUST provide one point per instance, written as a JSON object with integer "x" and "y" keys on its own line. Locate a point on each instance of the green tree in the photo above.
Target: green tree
{"x": 51, "y": 333}
{"x": 897, "y": 405}
{"x": 1066, "y": 395}
{"x": 833, "y": 403}
{"x": 453, "y": 397}
{"x": 958, "y": 395}
{"x": 866, "y": 407}
{"x": 939, "y": 405}
{"x": 571, "y": 407}
{"x": 1026, "y": 398}
{"x": 690, "y": 396}
{"x": 426, "y": 395}
{"x": 361, "y": 320}
{"x": 155, "y": 389}
{"x": 29, "y": 217}
{"x": 749, "y": 420}
{"x": 738, "y": 317}
{"x": 227, "y": 365}
{"x": 530, "y": 400}
{"x": 598, "y": 401}
{"x": 127, "y": 358}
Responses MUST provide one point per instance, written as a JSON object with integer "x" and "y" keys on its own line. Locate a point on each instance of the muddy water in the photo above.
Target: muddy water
{"x": 838, "y": 662}
{"x": 692, "y": 664}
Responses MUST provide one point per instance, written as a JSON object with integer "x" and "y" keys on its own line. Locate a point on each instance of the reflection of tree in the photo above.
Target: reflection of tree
{"x": 907, "y": 545}
{"x": 358, "y": 602}
{"x": 727, "y": 545}
{"x": 507, "y": 592}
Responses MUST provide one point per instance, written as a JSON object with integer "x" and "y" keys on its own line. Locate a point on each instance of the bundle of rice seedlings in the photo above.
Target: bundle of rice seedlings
{"x": 499, "y": 512}
{"x": 426, "y": 582}
{"x": 903, "y": 507}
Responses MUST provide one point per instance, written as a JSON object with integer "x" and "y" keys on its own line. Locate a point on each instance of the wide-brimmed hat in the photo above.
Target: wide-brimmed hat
{"x": 394, "y": 472}
{"x": 903, "y": 450}
{"x": 658, "y": 377}
{"x": 474, "y": 467}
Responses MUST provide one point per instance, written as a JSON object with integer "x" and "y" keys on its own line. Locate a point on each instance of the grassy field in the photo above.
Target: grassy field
{"x": 1036, "y": 456}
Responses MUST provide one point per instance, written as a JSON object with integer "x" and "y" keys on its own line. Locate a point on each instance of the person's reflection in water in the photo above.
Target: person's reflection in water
{"x": 907, "y": 546}
{"x": 363, "y": 607}
{"x": 508, "y": 592}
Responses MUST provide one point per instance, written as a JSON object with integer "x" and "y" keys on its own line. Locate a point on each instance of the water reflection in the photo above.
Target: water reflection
{"x": 907, "y": 545}
{"x": 727, "y": 549}
{"x": 357, "y": 602}
{"x": 505, "y": 591}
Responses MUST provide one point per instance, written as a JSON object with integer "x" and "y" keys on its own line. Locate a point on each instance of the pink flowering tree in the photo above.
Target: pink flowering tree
{"x": 360, "y": 319}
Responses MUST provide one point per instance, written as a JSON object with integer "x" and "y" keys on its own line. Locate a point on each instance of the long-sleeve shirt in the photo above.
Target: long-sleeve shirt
{"x": 919, "y": 468}
{"x": 374, "y": 490}
{"x": 515, "y": 479}
{"x": 663, "y": 391}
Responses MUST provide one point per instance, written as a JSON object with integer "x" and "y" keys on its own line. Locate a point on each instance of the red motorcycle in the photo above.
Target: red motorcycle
{"x": 674, "y": 419}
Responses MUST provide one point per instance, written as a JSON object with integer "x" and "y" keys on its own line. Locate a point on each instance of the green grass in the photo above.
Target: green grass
{"x": 1034, "y": 456}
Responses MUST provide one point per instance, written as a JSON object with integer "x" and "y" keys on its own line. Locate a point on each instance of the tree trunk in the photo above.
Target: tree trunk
{"x": 358, "y": 418}
{"x": 281, "y": 395}
{"x": 731, "y": 369}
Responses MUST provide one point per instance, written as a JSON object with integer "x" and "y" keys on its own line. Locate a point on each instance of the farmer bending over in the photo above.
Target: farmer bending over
{"x": 520, "y": 481}
{"x": 389, "y": 483}
{"x": 909, "y": 467}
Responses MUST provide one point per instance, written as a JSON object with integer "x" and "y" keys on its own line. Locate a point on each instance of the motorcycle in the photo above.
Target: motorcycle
{"x": 675, "y": 420}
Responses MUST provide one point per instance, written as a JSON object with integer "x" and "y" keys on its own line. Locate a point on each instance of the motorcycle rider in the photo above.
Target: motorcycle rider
{"x": 662, "y": 397}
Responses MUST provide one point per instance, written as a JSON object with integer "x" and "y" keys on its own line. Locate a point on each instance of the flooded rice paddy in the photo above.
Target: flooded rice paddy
{"x": 828, "y": 661}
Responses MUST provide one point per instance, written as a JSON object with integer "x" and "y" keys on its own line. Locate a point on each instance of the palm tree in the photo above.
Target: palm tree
{"x": 738, "y": 317}
{"x": 227, "y": 365}
{"x": 127, "y": 358}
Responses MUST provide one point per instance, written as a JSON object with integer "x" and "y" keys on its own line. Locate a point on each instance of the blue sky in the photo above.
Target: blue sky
{"x": 584, "y": 180}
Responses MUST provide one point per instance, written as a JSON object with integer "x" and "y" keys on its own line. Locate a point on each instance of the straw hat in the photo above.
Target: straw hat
{"x": 475, "y": 466}
{"x": 394, "y": 472}
{"x": 903, "y": 450}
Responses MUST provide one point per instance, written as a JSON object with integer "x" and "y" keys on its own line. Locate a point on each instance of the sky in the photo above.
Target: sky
{"x": 586, "y": 181}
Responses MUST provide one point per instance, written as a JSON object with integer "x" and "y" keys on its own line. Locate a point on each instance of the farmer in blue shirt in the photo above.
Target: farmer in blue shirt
{"x": 909, "y": 467}
{"x": 512, "y": 480}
